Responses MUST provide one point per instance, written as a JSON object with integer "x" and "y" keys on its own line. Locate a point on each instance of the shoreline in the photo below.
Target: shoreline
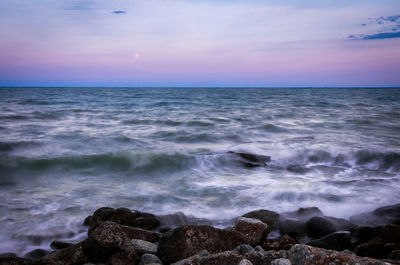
{"x": 305, "y": 236}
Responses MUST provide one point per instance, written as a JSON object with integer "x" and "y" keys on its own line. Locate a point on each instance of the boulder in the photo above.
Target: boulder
{"x": 378, "y": 217}
{"x": 109, "y": 243}
{"x": 12, "y": 259}
{"x": 304, "y": 214}
{"x": 245, "y": 262}
{"x": 36, "y": 254}
{"x": 391, "y": 233}
{"x": 265, "y": 216}
{"x": 281, "y": 262}
{"x": 251, "y": 160}
{"x": 394, "y": 255}
{"x": 319, "y": 226}
{"x": 243, "y": 249}
{"x": 57, "y": 244}
{"x": 293, "y": 228}
{"x": 253, "y": 230}
{"x": 336, "y": 241}
{"x": 222, "y": 258}
{"x": 147, "y": 259}
{"x": 186, "y": 241}
{"x": 282, "y": 243}
{"x": 143, "y": 247}
{"x": 179, "y": 219}
{"x": 363, "y": 234}
{"x": 131, "y": 232}
{"x": 302, "y": 254}
{"x": 375, "y": 248}
{"x": 71, "y": 255}
{"x": 101, "y": 215}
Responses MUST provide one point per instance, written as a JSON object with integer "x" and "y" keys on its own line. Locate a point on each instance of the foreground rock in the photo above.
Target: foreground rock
{"x": 12, "y": 259}
{"x": 253, "y": 230}
{"x": 302, "y": 255}
{"x": 268, "y": 217}
{"x": 71, "y": 255}
{"x": 186, "y": 241}
{"x": 336, "y": 241}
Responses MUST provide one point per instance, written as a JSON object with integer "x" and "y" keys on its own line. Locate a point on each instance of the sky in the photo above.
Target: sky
{"x": 267, "y": 43}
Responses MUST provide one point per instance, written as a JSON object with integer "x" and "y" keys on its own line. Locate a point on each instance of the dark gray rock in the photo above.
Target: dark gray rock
{"x": 179, "y": 218}
{"x": 281, "y": 262}
{"x": 149, "y": 259}
{"x": 11, "y": 259}
{"x": 265, "y": 216}
{"x": 319, "y": 226}
{"x": 363, "y": 234}
{"x": 57, "y": 244}
{"x": 394, "y": 255}
{"x": 70, "y": 255}
{"x": 243, "y": 249}
{"x": 186, "y": 241}
{"x": 101, "y": 215}
{"x": 251, "y": 160}
{"x": 304, "y": 214}
{"x": 378, "y": 217}
{"x": 391, "y": 233}
{"x": 336, "y": 241}
{"x": 143, "y": 247}
{"x": 299, "y": 169}
{"x": 253, "y": 230}
{"x": 375, "y": 248}
{"x": 36, "y": 254}
{"x": 293, "y": 228}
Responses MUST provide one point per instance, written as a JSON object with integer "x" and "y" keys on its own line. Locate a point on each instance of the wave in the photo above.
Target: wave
{"x": 143, "y": 163}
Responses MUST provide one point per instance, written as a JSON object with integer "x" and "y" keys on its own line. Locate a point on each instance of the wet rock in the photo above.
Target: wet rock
{"x": 299, "y": 169}
{"x": 124, "y": 216}
{"x": 283, "y": 243}
{"x": 375, "y": 248}
{"x": 336, "y": 241}
{"x": 265, "y": 216}
{"x": 186, "y": 241}
{"x": 87, "y": 221}
{"x": 394, "y": 255}
{"x": 243, "y": 249}
{"x": 57, "y": 245}
{"x": 281, "y": 262}
{"x": 304, "y": 214}
{"x": 251, "y": 160}
{"x": 302, "y": 254}
{"x": 363, "y": 234}
{"x": 293, "y": 228}
{"x": 70, "y": 255}
{"x": 109, "y": 243}
{"x": 253, "y": 230}
{"x": 391, "y": 233}
{"x": 36, "y": 254}
{"x": 179, "y": 219}
{"x": 130, "y": 232}
{"x": 379, "y": 217}
{"x": 147, "y": 259}
{"x": 147, "y": 223}
{"x": 143, "y": 247}
{"x": 261, "y": 258}
{"x": 245, "y": 262}
{"x": 12, "y": 259}
{"x": 319, "y": 226}
{"x": 101, "y": 215}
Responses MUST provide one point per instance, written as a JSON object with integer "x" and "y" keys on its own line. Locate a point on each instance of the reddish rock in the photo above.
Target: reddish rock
{"x": 254, "y": 230}
{"x": 283, "y": 243}
{"x": 186, "y": 241}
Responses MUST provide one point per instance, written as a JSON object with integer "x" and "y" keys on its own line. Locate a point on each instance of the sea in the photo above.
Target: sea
{"x": 64, "y": 152}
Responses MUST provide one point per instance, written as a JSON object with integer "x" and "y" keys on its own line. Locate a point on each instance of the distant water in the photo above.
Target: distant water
{"x": 66, "y": 151}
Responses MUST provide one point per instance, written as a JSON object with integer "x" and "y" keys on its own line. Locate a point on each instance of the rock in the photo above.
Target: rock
{"x": 36, "y": 254}
{"x": 101, "y": 215}
{"x": 281, "y": 262}
{"x": 283, "y": 243}
{"x": 319, "y": 226}
{"x": 222, "y": 258}
{"x": 12, "y": 259}
{"x": 147, "y": 223}
{"x": 70, "y": 255}
{"x": 109, "y": 243}
{"x": 253, "y": 230}
{"x": 374, "y": 248}
{"x": 243, "y": 249}
{"x": 302, "y": 254}
{"x": 57, "y": 245}
{"x": 179, "y": 219}
{"x": 293, "y": 228}
{"x": 304, "y": 214}
{"x": 261, "y": 258}
{"x": 87, "y": 221}
{"x": 265, "y": 216}
{"x": 336, "y": 241}
{"x": 299, "y": 169}
{"x": 186, "y": 241}
{"x": 245, "y": 262}
{"x": 124, "y": 216}
{"x": 394, "y": 255}
{"x": 363, "y": 234}
{"x": 143, "y": 247}
{"x": 391, "y": 233}
{"x": 251, "y": 160}
{"x": 131, "y": 232}
{"x": 378, "y": 217}
{"x": 147, "y": 259}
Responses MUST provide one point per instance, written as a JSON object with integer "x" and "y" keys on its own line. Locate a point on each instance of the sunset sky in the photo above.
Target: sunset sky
{"x": 200, "y": 43}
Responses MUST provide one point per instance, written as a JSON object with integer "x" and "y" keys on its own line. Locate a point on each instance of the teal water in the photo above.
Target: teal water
{"x": 66, "y": 151}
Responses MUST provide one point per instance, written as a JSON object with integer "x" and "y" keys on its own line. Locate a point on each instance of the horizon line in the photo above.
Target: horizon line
{"x": 290, "y": 87}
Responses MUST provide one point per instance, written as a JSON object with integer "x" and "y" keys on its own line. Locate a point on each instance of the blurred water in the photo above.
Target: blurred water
{"x": 66, "y": 151}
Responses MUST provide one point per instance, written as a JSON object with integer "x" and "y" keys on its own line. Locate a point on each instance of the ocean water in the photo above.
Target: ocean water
{"x": 65, "y": 152}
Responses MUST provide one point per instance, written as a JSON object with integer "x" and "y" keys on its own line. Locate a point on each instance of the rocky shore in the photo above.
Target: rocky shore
{"x": 128, "y": 237}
